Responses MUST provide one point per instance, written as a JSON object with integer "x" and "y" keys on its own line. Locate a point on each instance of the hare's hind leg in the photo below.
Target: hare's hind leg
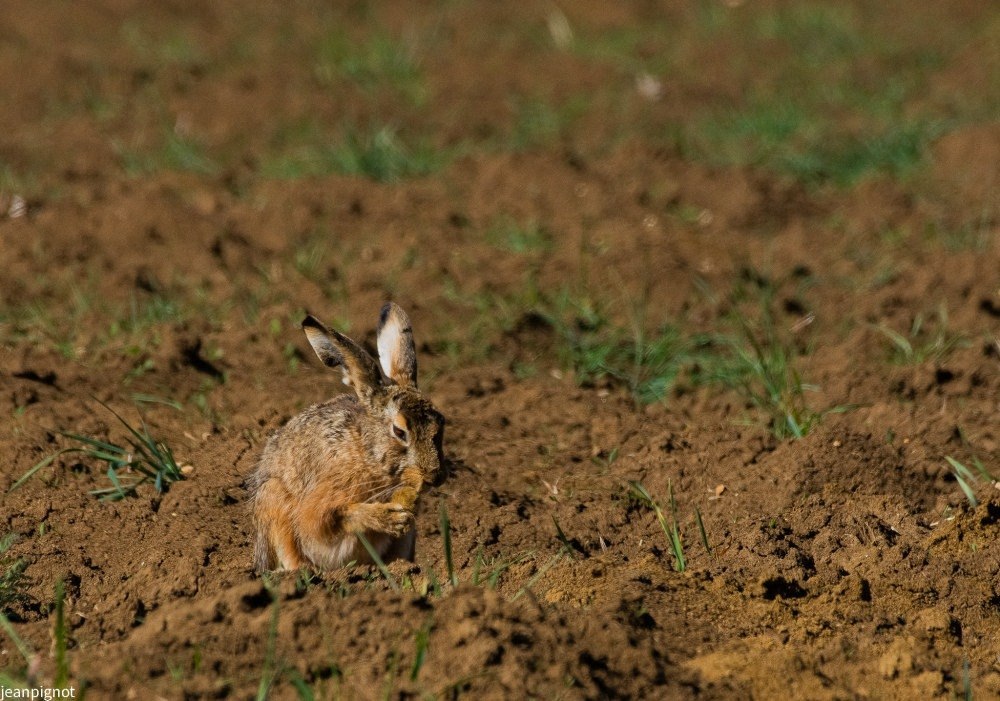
{"x": 325, "y": 532}
{"x": 276, "y": 546}
{"x": 326, "y": 527}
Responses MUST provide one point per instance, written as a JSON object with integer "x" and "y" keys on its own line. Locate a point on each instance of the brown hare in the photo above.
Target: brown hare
{"x": 353, "y": 464}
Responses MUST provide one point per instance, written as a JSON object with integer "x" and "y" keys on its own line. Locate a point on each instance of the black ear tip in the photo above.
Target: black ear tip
{"x": 384, "y": 314}
{"x": 311, "y": 322}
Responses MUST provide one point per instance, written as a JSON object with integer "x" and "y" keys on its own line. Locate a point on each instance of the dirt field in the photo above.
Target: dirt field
{"x": 740, "y": 255}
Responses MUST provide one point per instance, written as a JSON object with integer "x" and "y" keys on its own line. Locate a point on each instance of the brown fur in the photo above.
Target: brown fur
{"x": 338, "y": 468}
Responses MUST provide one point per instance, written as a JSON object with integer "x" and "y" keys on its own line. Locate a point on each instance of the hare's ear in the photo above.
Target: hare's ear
{"x": 334, "y": 348}
{"x": 396, "y": 351}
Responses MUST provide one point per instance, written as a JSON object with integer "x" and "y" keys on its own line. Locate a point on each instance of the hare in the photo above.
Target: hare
{"x": 351, "y": 465}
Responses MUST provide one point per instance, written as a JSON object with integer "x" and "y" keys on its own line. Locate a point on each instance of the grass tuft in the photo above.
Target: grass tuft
{"x": 507, "y": 234}
{"x": 967, "y": 479}
{"x": 671, "y": 530}
{"x": 648, "y": 364}
{"x": 834, "y": 106}
{"x": 381, "y": 155}
{"x": 761, "y": 369}
{"x": 928, "y": 339}
{"x": 538, "y": 123}
{"x": 142, "y": 459}
{"x": 150, "y": 457}
{"x": 178, "y": 152}
{"x": 754, "y": 359}
{"x": 381, "y": 61}
{"x": 758, "y": 362}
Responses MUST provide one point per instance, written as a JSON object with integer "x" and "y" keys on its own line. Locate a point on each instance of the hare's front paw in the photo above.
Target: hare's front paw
{"x": 405, "y": 497}
{"x": 393, "y": 519}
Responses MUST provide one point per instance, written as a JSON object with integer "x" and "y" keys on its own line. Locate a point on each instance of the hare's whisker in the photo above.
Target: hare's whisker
{"x": 375, "y": 493}
{"x": 385, "y": 492}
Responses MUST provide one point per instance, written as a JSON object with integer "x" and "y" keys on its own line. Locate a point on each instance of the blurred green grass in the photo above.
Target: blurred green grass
{"x": 823, "y": 92}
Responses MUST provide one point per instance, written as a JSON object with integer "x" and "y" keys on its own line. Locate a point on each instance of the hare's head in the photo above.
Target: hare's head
{"x": 409, "y": 431}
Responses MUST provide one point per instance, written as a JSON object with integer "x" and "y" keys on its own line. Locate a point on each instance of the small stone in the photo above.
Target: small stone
{"x": 18, "y": 207}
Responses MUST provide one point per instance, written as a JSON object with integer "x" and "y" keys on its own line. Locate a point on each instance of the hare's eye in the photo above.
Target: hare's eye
{"x": 400, "y": 434}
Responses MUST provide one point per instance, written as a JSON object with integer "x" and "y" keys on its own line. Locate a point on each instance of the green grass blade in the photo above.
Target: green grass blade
{"x": 96, "y": 444}
{"x": 701, "y": 530}
{"x": 963, "y": 476}
{"x": 118, "y": 491}
{"x": 566, "y": 545}
{"x": 118, "y": 460}
{"x": 793, "y": 426}
{"x": 494, "y": 578}
{"x": 421, "y": 642}
{"x": 680, "y": 564}
{"x": 44, "y": 462}
{"x": 9, "y": 682}
{"x": 897, "y": 339}
{"x": 270, "y": 673}
{"x": 301, "y": 688}
{"x": 21, "y": 646}
{"x": 59, "y": 633}
{"x": 981, "y": 469}
{"x": 446, "y": 536}
{"x": 434, "y": 582}
{"x": 538, "y": 575}
{"x": 477, "y": 565}
{"x": 379, "y": 563}
{"x": 124, "y": 423}
{"x": 153, "y": 399}
{"x": 641, "y": 491}
{"x": 670, "y": 530}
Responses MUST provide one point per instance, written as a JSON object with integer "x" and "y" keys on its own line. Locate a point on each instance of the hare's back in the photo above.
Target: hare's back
{"x": 311, "y": 443}
{"x": 329, "y": 421}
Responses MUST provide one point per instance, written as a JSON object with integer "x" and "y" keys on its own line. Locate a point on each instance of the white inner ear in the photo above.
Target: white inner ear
{"x": 389, "y": 341}
{"x": 322, "y": 346}
{"x": 326, "y": 351}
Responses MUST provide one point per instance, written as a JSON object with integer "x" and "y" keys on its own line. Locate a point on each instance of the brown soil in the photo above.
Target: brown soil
{"x": 847, "y": 564}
